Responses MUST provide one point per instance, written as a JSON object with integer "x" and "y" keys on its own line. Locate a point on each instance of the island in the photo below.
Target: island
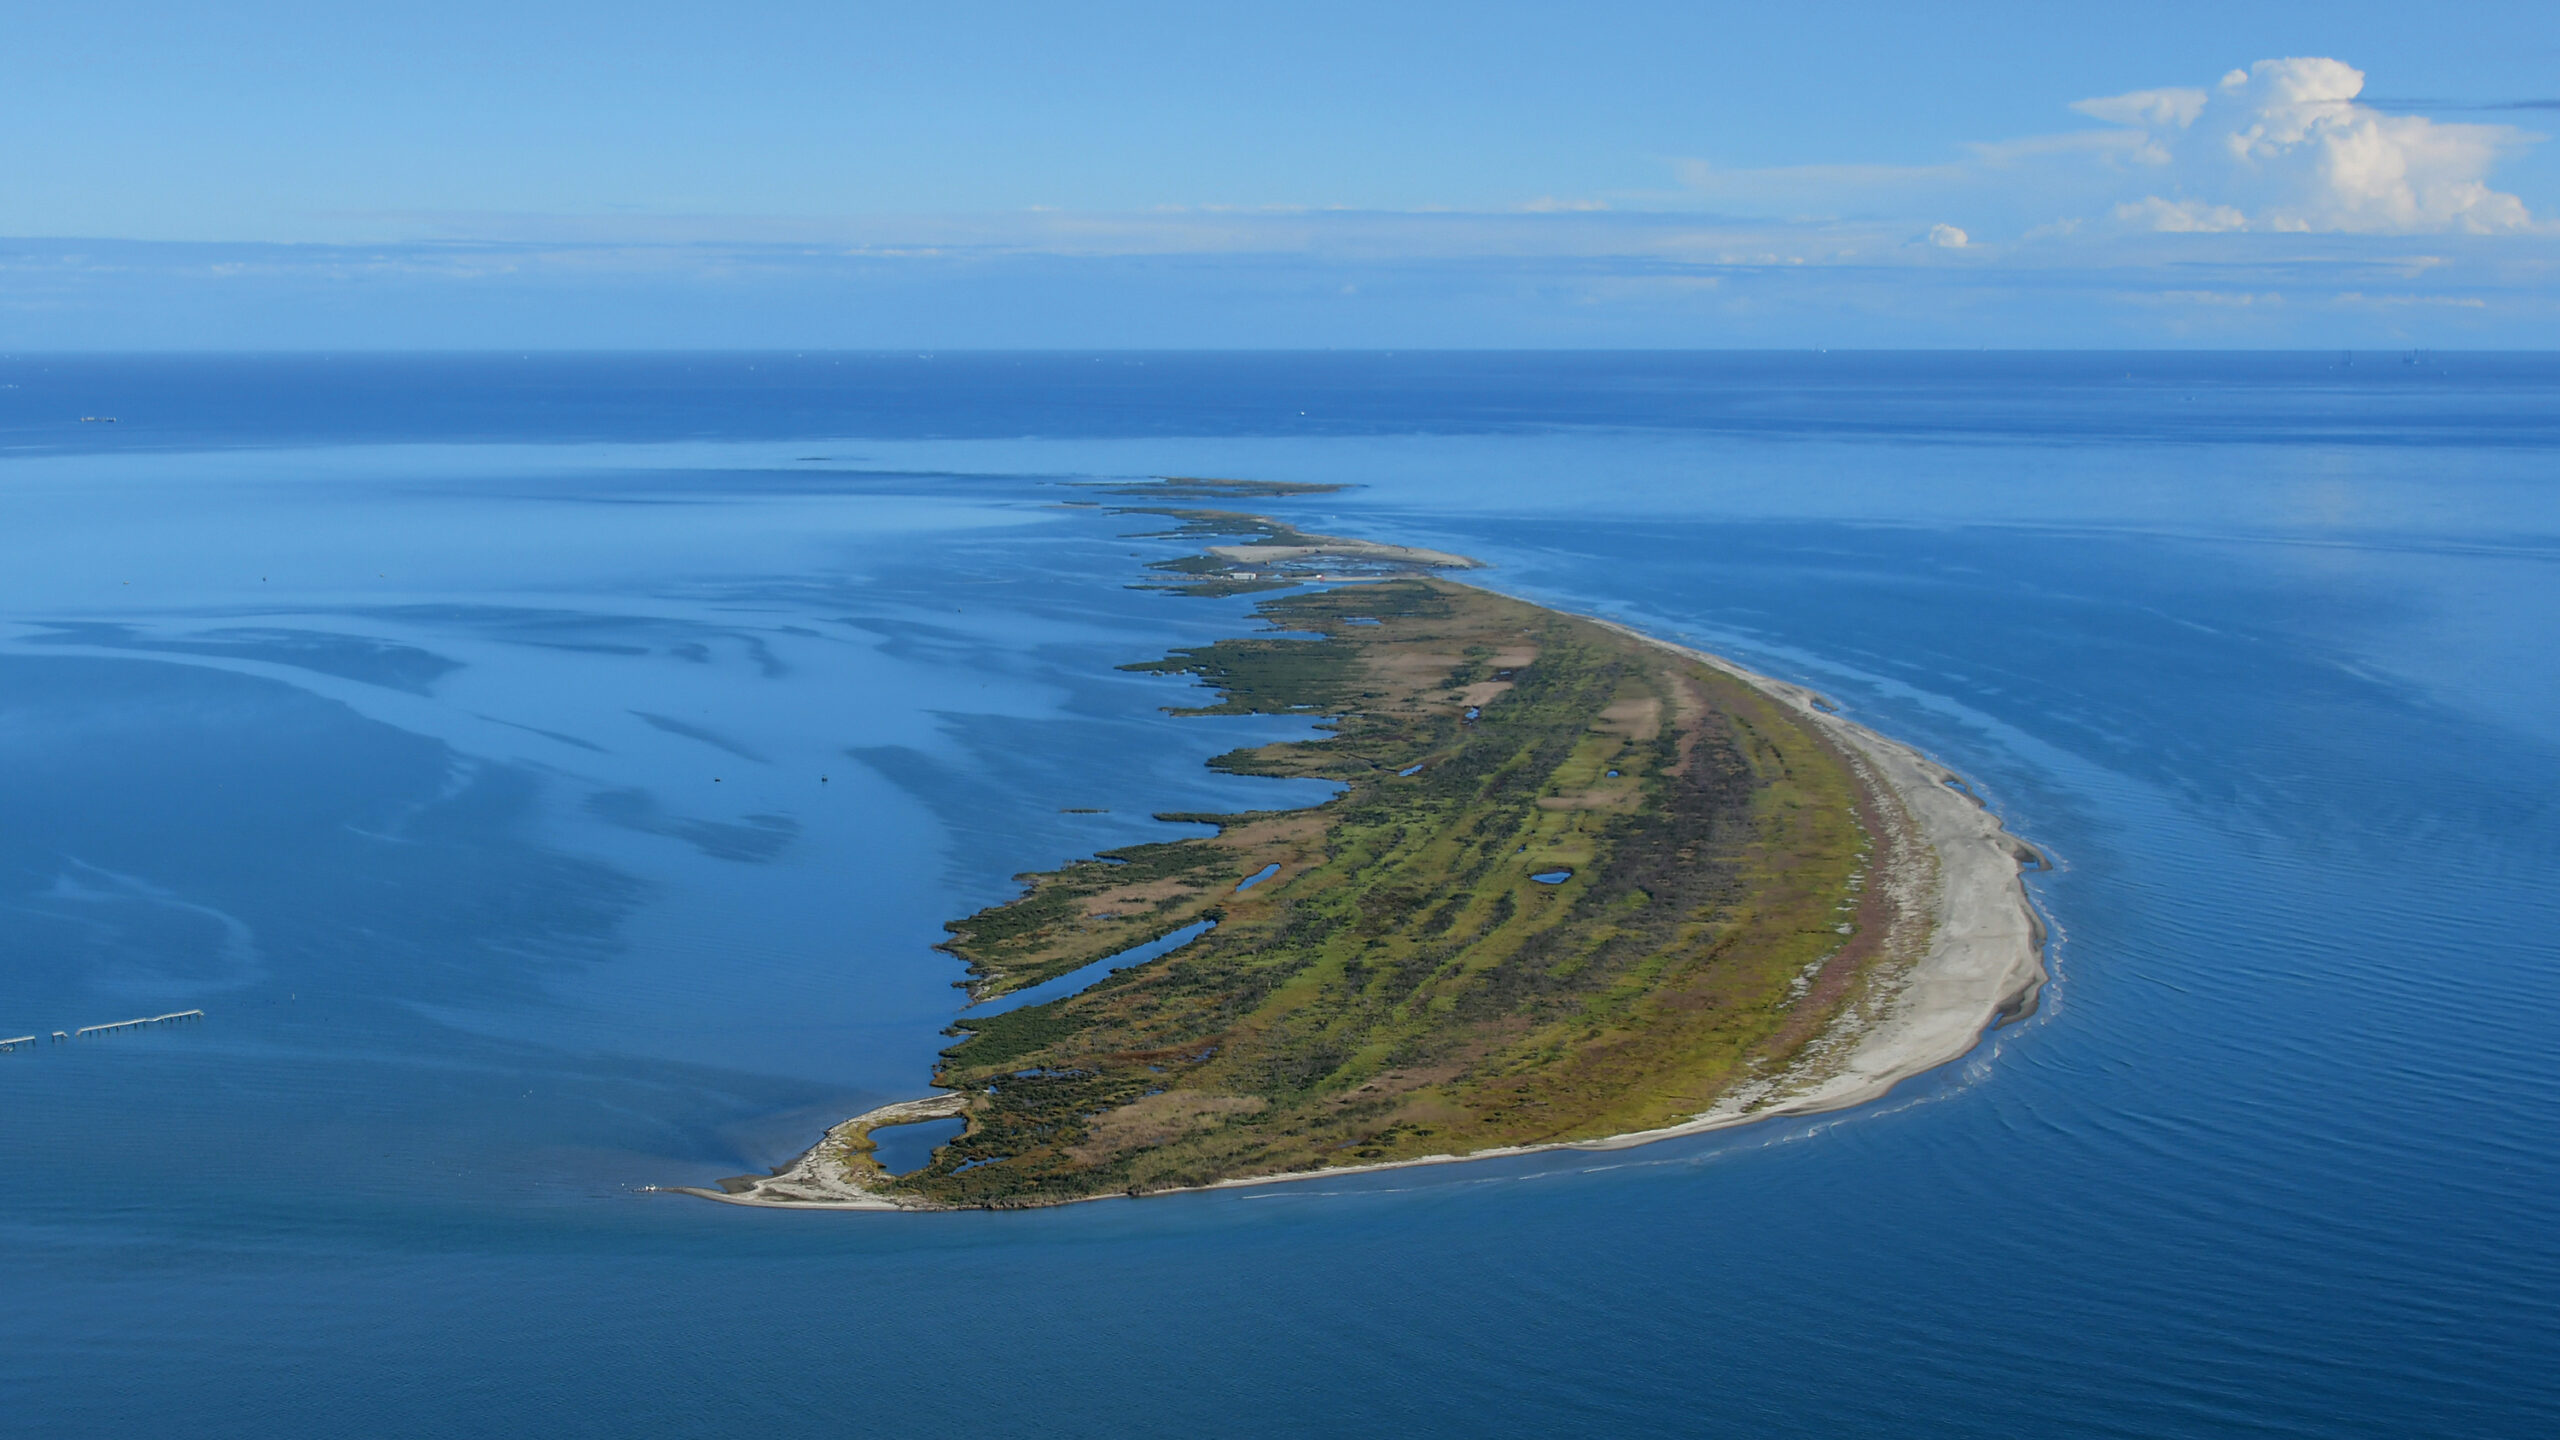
{"x": 1579, "y": 887}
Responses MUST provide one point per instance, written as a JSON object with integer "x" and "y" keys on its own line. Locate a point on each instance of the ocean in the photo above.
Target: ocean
{"x": 550, "y": 774}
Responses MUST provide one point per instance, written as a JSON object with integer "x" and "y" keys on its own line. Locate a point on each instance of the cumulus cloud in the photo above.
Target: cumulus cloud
{"x": 1948, "y": 237}
{"x": 2284, "y": 145}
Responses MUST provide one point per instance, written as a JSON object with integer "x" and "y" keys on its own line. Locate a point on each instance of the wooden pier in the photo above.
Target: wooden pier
{"x": 60, "y": 1037}
{"x": 85, "y": 1031}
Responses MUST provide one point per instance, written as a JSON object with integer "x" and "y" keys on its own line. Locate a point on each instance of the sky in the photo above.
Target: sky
{"x": 788, "y": 175}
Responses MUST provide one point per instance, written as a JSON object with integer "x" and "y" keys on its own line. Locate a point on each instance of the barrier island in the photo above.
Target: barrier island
{"x": 1579, "y": 887}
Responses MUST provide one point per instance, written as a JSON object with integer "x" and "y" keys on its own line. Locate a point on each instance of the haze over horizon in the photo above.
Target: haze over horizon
{"x": 794, "y": 176}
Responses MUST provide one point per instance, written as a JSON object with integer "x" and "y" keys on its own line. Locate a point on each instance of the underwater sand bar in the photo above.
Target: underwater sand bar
{"x": 1770, "y": 911}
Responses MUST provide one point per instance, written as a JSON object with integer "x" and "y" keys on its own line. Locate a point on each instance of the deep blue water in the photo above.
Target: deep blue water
{"x": 550, "y": 776}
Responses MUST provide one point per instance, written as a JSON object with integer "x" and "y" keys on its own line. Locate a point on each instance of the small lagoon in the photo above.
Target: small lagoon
{"x": 1084, "y": 975}
{"x": 904, "y": 1148}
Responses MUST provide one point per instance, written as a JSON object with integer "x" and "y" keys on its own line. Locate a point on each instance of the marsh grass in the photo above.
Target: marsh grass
{"x": 1402, "y": 986}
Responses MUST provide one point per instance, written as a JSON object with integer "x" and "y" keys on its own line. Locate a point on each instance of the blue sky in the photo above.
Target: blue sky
{"x": 467, "y": 174}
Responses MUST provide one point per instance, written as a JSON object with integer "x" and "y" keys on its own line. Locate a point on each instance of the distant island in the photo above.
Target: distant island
{"x": 1581, "y": 887}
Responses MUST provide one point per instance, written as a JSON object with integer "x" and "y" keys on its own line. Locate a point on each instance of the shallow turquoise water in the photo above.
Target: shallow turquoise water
{"x": 550, "y": 780}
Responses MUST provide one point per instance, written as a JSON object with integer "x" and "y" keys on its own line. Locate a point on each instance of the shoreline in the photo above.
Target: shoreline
{"x": 1981, "y": 966}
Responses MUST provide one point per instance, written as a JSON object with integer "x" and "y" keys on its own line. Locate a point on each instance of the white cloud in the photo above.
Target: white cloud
{"x": 2283, "y": 145}
{"x": 1948, "y": 237}
{"x": 2177, "y": 108}
{"x": 2182, "y": 216}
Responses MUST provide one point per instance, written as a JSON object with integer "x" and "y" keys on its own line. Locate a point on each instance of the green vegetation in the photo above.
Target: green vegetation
{"x": 1403, "y": 985}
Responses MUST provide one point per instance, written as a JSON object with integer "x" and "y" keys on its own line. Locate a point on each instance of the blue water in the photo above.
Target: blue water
{"x": 550, "y": 777}
{"x": 901, "y": 1149}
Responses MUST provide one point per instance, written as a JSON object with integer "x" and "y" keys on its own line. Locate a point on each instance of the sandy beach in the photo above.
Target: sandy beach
{"x": 1978, "y": 960}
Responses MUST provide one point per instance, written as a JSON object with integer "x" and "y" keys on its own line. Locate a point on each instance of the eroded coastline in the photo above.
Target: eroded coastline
{"x": 1941, "y": 942}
